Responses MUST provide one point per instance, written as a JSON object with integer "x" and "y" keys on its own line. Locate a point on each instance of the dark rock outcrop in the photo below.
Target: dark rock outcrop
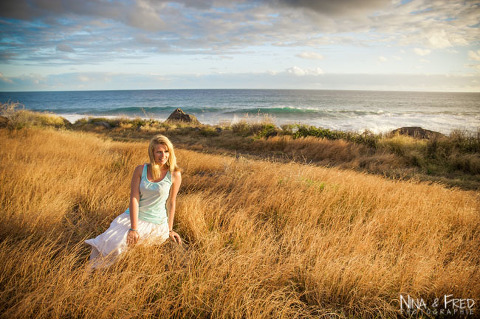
{"x": 416, "y": 132}
{"x": 180, "y": 116}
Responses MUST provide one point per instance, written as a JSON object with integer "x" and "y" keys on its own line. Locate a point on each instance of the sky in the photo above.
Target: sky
{"x": 419, "y": 45}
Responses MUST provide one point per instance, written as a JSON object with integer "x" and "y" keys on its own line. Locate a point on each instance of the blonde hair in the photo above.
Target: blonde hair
{"x": 172, "y": 159}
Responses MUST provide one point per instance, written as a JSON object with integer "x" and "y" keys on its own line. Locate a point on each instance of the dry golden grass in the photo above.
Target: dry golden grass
{"x": 263, "y": 239}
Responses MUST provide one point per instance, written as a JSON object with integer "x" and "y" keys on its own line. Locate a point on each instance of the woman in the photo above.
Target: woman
{"x": 149, "y": 218}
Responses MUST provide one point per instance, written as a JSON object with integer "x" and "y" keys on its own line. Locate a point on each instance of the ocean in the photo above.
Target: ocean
{"x": 356, "y": 111}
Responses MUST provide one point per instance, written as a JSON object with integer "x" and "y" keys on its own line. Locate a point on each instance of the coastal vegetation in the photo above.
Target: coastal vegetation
{"x": 452, "y": 160}
{"x": 264, "y": 237}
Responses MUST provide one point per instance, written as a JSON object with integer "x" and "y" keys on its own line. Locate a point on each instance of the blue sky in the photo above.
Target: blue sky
{"x": 427, "y": 45}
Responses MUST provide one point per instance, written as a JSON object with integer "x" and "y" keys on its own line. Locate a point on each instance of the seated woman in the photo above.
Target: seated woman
{"x": 149, "y": 218}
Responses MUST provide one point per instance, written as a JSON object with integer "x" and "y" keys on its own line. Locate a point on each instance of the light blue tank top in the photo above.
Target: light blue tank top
{"x": 153, "y": 198}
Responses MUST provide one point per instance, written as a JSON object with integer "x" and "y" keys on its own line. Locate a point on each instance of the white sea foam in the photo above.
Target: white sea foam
{"x": 380, "y": 122}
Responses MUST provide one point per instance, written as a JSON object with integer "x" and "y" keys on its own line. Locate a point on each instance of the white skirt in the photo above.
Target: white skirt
{"x": 108, "y": 246}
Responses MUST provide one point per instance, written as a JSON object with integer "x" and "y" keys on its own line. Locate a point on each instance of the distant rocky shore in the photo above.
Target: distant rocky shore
{"x": 180, "y": 116}
{"x": 416, "y": 132}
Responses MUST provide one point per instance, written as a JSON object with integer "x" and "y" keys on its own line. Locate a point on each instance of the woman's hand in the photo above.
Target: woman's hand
{"x": 175, "y": 237}
{"x": 132, "y": 237}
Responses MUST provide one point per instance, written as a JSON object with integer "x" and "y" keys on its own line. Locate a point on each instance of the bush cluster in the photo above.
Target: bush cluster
{"x": 301, "y": 130}
{"x": 14, "y": 117}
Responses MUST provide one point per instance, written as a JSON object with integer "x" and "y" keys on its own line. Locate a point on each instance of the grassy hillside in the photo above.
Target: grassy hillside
{"x": 263, "y": 239}
{"x": 452, "y": 160}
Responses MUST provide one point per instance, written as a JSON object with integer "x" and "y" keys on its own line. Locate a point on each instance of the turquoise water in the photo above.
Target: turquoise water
{"x": 342, "y": 110}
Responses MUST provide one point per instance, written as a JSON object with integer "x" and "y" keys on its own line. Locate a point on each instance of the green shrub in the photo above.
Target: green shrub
{"x": 20, "y": 118}
{"x": 267, "y": 130}
{"x": 301, "y": 130}
{"x": 241, "y": 128}
{"x": 259, "y": 130}
{"x": 209, "y": 131}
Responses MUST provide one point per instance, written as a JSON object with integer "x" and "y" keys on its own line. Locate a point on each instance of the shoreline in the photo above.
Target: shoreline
{"x": 253, "y": 119}
{"x": 348, "y": 111}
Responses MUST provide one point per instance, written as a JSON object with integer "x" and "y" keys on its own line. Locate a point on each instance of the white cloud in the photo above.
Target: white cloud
{"x": 5, "y": 79}
{"x": 440, "y": 39}
{"x": 474, "y": 55}
{"x": 422, "y": 52}
{"x": 265, "y": 80}
{"x": 310, "y": 55}
{"x": 475, "y": 67}
{"x": 435, "y": 24}
{"x": 382, "y": 59}
{"x": 295, "y": 70}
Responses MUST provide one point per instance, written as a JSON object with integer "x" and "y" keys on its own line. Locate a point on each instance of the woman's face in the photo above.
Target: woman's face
{"x": 161, "y": 154}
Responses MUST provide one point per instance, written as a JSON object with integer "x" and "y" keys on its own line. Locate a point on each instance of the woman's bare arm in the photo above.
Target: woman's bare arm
{"x": 132, "y": 237}
{"x": 171, "y": 204}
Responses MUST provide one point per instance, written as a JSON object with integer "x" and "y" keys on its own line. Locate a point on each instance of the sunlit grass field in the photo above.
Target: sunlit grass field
{"x": 262, "y": 239}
